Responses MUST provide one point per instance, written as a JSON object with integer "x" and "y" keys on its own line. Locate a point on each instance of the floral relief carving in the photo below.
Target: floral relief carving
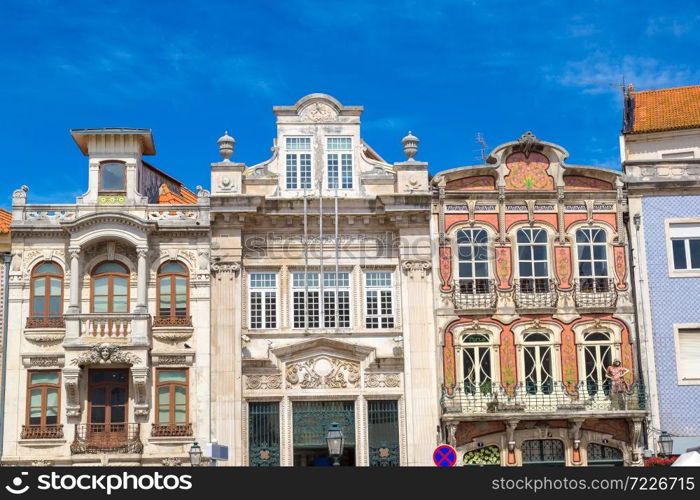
{"x": 105, "y": 353}
{"x": 563, "y": 266}
{"x": 503, "y": 267}
{"x": 319, "y": 112}
{"x": 446, "y": 268}
{"x": 255, "y": 382}
{"x": 323, "y": 372}
{"x": 385, "y": 380}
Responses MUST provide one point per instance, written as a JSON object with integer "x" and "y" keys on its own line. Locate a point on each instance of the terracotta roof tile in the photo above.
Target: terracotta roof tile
{"x": 5, "y": 220}
{"x": 169, "y": 197}
{"x": 666, "y": 109}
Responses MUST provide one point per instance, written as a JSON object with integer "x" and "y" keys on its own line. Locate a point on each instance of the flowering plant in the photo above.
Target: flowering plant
{"x": 659, "y": 461}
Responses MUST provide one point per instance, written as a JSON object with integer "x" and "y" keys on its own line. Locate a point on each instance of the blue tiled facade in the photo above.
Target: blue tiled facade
{"x": 673, "y": 301}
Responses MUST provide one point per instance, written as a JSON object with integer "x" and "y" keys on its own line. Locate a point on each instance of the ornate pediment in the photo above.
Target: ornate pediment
{"x": 323, "y": 372}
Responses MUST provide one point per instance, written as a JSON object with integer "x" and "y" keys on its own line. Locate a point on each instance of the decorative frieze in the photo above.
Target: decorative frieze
{"x": 323, "y": 372}
{"x": 382, "y": 380}
{"x": 172, "y": 359}
{"x": 263, "y": 382}
{"x": 43, "y": 360}
{"x": 105, "y": 353}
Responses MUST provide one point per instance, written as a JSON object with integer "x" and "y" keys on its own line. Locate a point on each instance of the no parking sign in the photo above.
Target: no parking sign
{"x": 445, "y": 456}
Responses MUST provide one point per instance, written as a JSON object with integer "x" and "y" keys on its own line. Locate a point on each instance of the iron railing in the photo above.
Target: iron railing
{"x": 107, "y": 438}
{"x": 537, "y": 293}
{"x": 477, "y": 294}
{"x": 171, "y": 430}
{"x": 547, "y": 397}
{"x": 595, "y": 293}
{"x": 42, "y": 432}
{"x": 172, "y": 321}
{"x": 51, "y": 322}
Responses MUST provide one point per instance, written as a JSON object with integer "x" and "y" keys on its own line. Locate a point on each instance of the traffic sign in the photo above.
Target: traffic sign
{"x": 445, "y": 456}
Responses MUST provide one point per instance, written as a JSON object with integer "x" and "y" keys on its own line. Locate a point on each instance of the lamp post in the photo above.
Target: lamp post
{"x": 195, "y": 455}
{"x": 334, "y": 438}
{"x": 665, "y": 444}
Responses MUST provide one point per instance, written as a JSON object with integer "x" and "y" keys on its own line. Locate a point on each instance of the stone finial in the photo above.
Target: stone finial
{"x": 410, "y": 145}
{"x": 226, "y": 143}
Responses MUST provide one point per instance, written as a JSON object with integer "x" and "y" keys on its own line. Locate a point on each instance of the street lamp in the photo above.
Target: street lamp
{"x": 334, "y": 438}
{"x": 666, "y": 444}
{"x": 195, "y": 455}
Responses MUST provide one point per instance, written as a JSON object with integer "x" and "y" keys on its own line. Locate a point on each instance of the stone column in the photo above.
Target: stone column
{"x": 74, "y": 305}
{"x": 142, "y": 287}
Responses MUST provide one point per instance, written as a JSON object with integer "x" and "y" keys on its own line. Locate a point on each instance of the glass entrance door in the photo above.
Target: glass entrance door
{"x": 311, "y": 422}
{"x": 108, "y": 407}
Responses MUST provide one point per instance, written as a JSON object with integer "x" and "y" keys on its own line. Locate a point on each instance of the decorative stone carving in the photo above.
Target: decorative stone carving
{"x": 410, "y": 145}
{"x": 202, "y": 193}
{"x": 43, "y": 361}
{"x": 177, "y": 335}
{"x": 19, "y": 196}
{"x": 323, "y": 372}
{"x": 71, "y": 380}
{"x": 171, "y": 462}
{"x": 172, "y": 359}
{"x": 42, "y": 463}
{"x": 319, "y": 112}
{"x": 416, "y": 268}
{"x": 226, "y": 144}
{"x": 224, "y": 268}
{"x": 387, "y": 380}
{"x": 203, "y": 259}
{"x": 105, "y": 353}
{"x": 139, "y": 376}
{"x": 255, "y": 382}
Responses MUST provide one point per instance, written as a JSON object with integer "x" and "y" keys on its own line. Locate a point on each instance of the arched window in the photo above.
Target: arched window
{"x": 46, "y": 302}
{"x": 599, "y": 454}
{"x": 533, "y": 260}
{"x": 112, "y": 177}
{"x": 477, "y": 370}
{"x": 597, "y": 356}
{"x": 472, "y": 252}
{"x": 591, "y": 246}
{"x": 173, "y": 294}
{"x": 110, "y": 288}
{"x": 543, "y": 452}
{"x": 538, "y": 363}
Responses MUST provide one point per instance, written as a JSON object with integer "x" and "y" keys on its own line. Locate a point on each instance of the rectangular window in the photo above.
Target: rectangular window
{"x": 383, "y": 430}
{"x": 340, "y": 172}
{"x": 173, "y": 395}
{"x": 263, "y": 434}
{"x": 688, "y": 350}
{"x": 263, "y": 300}
{"x": 379, "y": 295}
{"x": 298, "y": 162}
{"x": 685, "y": 245}
{"x": 309, "y": 311}
{"x": 43, "y": 398}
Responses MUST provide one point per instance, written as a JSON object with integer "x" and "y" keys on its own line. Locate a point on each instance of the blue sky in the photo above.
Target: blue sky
{"x": 444, "y": 69}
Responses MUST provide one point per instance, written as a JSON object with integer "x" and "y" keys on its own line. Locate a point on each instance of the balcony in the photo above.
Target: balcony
{"x": 53, "y": 322}
{"x": 474, "y": 294}
{"x": 107, "y": 438}
{"x": 553, "y": 397}
{"x": 595, "y": 293}
{"x": 106, "y": 325}
{"x": 42, "y": 432}
{"x": 535, "y": 293}
{"x": 177, "y": 430}
{"x": 172, "y": 321}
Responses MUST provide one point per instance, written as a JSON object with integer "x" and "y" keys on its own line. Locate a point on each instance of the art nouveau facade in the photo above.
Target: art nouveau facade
{"x": 533, "y": 305}
{"x": 108, "y": 347}
{"x": 322, "y": 297}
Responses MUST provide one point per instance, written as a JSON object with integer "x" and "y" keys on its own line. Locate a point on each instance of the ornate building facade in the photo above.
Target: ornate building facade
{"x": 660, "y": 149}
{"x": 108, "y": 347}
{"x": 322, "y": 297}
{"x": 533, "y": 308}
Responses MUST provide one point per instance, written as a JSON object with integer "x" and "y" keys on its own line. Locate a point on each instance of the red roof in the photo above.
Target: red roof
{"x": 5, "y": 220}
{"x": 664, "y": 109}
{"x": 169, "y": 197}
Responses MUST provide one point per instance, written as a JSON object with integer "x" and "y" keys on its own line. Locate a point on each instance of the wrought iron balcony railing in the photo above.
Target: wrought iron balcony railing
{"x": 595, "y": 293}
{"x": 172, "y": 321}
{"x": 547, "y": 397}
{"x": 171, "y": 430}
{"x": 535, "y": 293}
{"x": 474, "y": 294}
{"x": 51, "y": 322}
{"x": 107, "y": 438}
{"x": 42, "y": 432}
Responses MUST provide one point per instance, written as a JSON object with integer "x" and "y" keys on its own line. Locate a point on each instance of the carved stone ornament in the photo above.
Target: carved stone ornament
{"x": 416, "y": 268}
{"x": 255, "y": 382}
{"x": 139, "y": 378}
{"x": 171, "y": 462}
{"x": 323, "y": 372}
{"x": 221, "y": 268}
{"x": 43, "y": 361}
{"x": 386, "y": 380}
{"x": 319, "y": 112}
{"x": 71, "y": 381}
{"x": 105, "y": 353}
{"x": 20, "y": 195}
{"x": 172, "y": 359}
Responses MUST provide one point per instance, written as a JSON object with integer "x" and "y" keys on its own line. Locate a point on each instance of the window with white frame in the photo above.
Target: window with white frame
{"x": 597, "y": 357}
{"x": 309, "y": 311}
{"x": 477, "y": 373}
{"x": 688, "y": 355}
{"x": 298, "y": 158}
{"x": 533, "y": 260}
{"x": 379, "y": 295}
{"x": 339, "y": 157}
{"x": 592, "y": 252}
{"x": 472, "y": 252}
{"x": 538, "y": 363}
{"x": 685, "y": 245}
{"x": 263, "y": 300}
